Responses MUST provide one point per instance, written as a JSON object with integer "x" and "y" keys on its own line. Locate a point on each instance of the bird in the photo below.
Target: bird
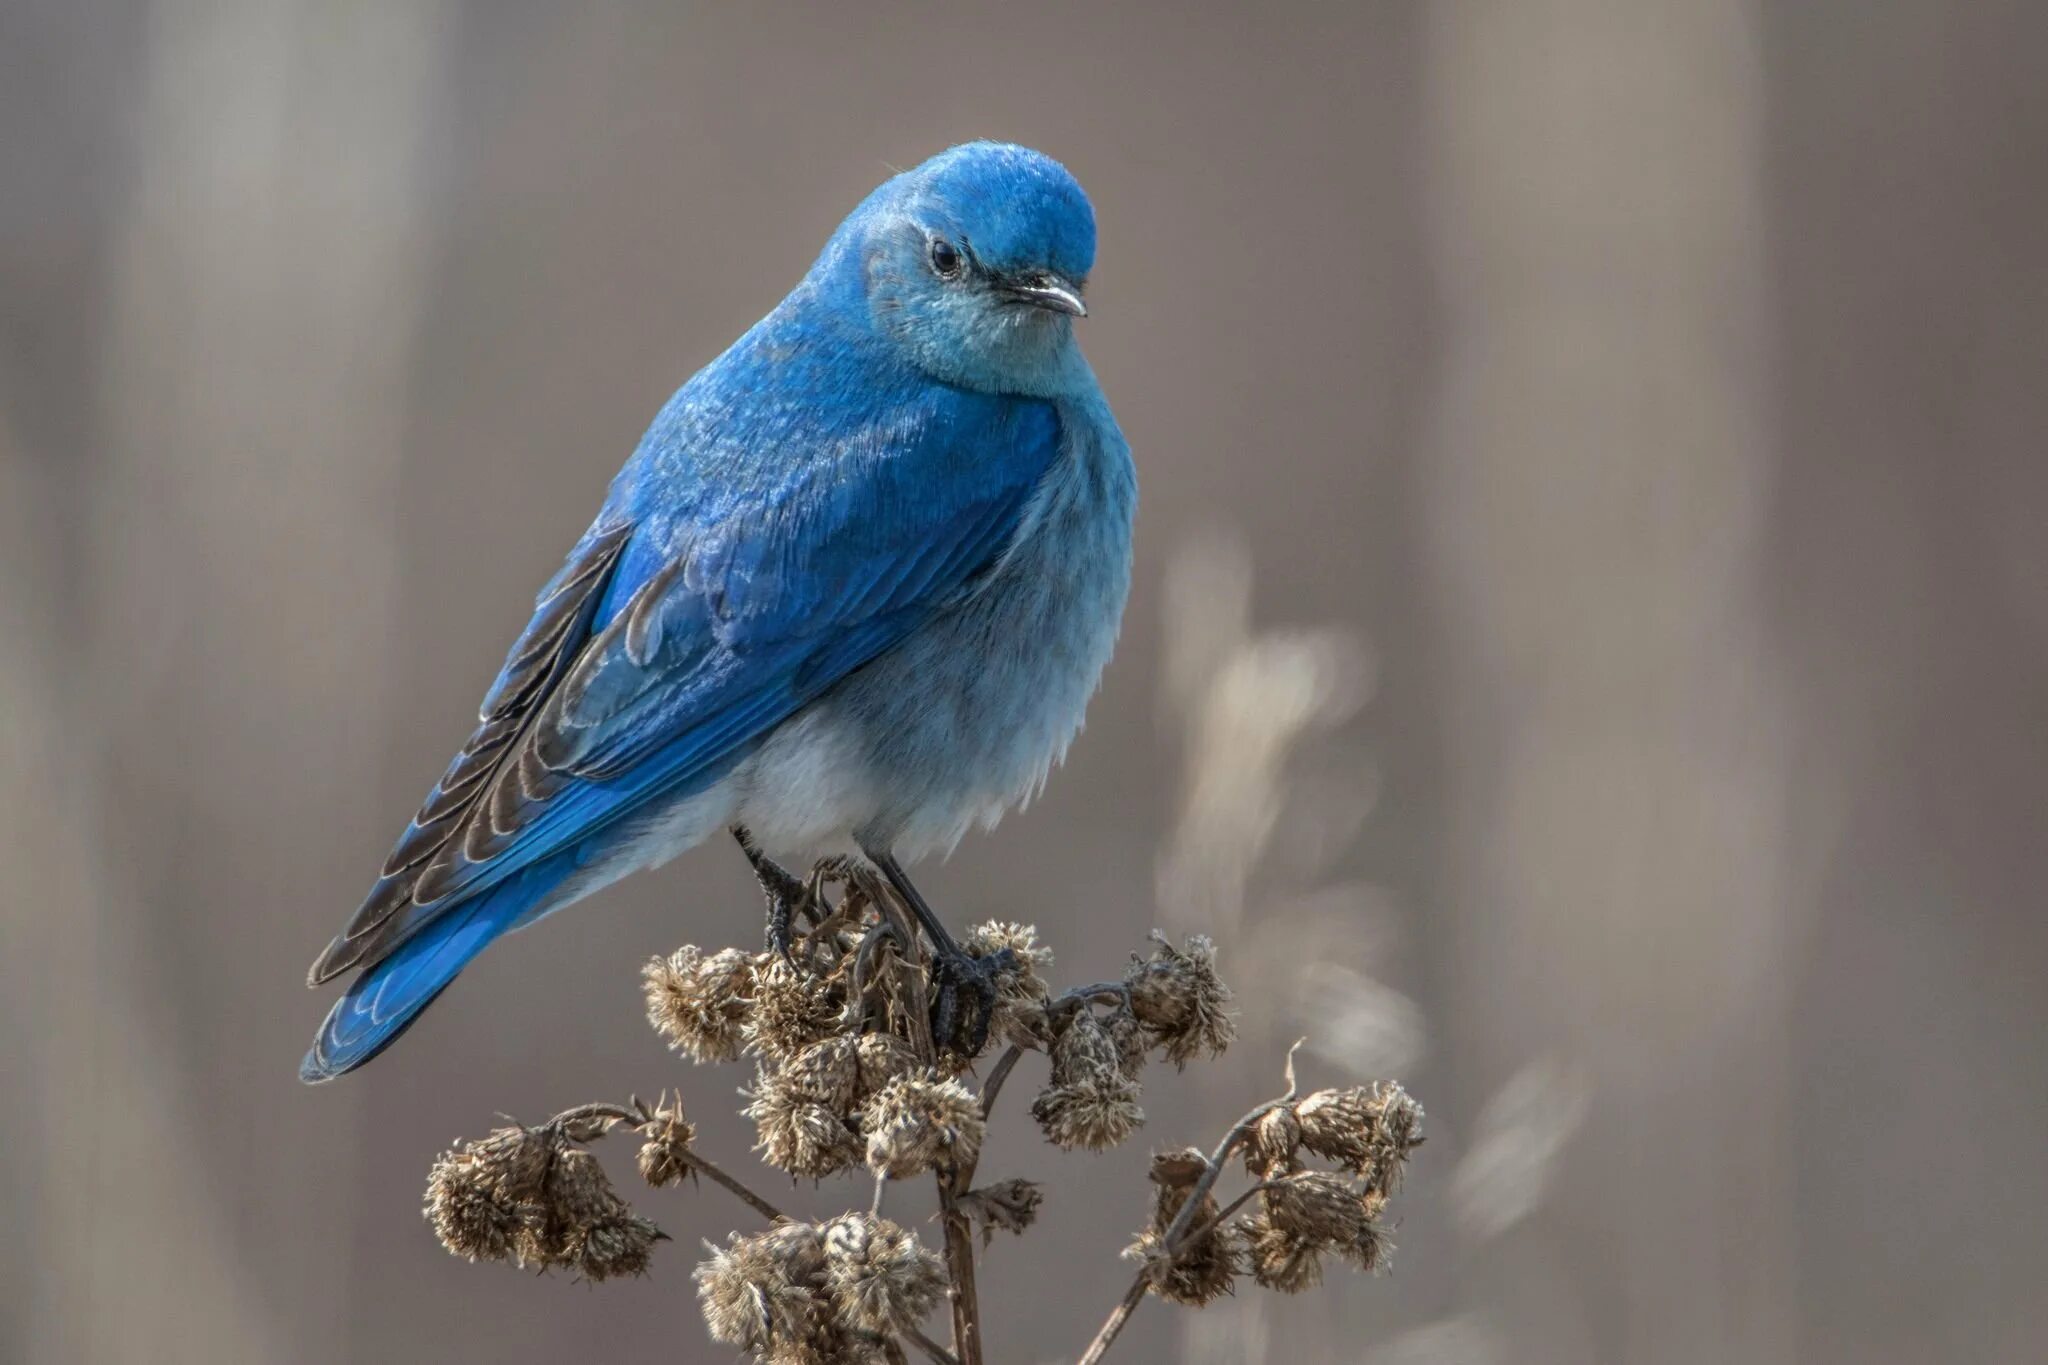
{"x": 849, "y": 596}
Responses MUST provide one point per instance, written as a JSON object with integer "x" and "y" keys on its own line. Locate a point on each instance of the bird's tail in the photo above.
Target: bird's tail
{"x": 385, "y": 1000}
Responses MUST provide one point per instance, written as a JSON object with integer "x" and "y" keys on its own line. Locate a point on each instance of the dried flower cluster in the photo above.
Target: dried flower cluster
{"x": 1177, "y": 996}
{"x": 836, "y": 1291}
{"x": 1303, "y": 1214}
{"x": 847, "y": 1076}
{"x": 536, "y": 1197}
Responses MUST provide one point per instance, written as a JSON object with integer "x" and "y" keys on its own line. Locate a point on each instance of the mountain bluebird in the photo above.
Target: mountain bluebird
{"x": 851, "y": 594}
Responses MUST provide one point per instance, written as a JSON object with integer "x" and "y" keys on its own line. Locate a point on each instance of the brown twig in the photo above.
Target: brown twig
{"x": 999, "y": 1073}
{"x": 930, "y": 1347}
{"x": 911, "y": 980}
{"x": 1177, "y": 1232}
{"x": 636, "y": 1115}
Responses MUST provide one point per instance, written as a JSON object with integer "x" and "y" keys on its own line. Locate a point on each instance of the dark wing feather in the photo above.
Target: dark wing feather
{"x": 474, "y": 798}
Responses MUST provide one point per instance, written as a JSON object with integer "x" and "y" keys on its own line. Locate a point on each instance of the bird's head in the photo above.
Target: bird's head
{"x": 974, "y": 264}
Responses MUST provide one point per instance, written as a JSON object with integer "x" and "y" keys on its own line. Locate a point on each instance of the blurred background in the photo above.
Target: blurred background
{"x": 1588, "y": 656}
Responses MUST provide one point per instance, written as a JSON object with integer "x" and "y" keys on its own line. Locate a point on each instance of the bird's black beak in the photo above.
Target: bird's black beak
{"x": 1049, "y": 292}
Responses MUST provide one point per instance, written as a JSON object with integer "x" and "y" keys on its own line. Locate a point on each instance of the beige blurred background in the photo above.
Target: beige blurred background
{"x": 1589, "y": 653}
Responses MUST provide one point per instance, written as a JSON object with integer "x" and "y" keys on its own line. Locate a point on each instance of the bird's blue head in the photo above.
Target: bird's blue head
{"x": 974, "y": 264}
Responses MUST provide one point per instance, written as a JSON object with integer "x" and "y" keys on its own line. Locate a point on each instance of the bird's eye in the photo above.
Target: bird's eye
{"x": 946, "y": 259}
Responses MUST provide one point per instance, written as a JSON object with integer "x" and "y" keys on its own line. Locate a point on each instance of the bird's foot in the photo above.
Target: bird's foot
{"x": 965, "y": 1004}
{"x": 783, "y": 889}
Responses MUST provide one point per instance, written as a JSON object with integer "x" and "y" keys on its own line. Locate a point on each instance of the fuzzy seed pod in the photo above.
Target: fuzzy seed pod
{"x": 483, "y": 1196}
{"x": 797, "y": 1134}
{"x": 1275, "y": 1139}
{"x": 762, "y": 1293}
{"x": 665, "y": 1153}
{"x": 1179, "y": 998}
{"x": 1089, "y": 1100}
{"x": 468, "y": 1204}
{"x": 699, "y": 1004}
{"x": 615, "y": 1247}
{"x": 880, "y": 1277}
{"x": 826, "y": 1072}
{"x": 1370, "y": 1249}
{"x": 1204, "y": 1268}
{"x": 1316, "y": 1207}
{"x": 921, "y": 1123}
{"x": 1132, "y": 1040}
{"x": 1279, "y": 1259}
{"x": 880, "y": 1058}
{"x": 529, "y": 1196}
{"x": 793, "y": 1008}
{"x": 1369, "y": 1130}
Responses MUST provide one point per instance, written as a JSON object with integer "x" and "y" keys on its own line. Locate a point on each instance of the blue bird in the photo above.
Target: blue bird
{"x": 850, "y": 594}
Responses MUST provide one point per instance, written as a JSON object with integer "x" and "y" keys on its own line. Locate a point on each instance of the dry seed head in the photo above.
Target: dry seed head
{"x": 1279, "y": 1259}
{"x": 1090, "y": 1101}
{"x": 796, "y": 1134}
{"x": 465, "y": 1210}
{"x": 1094, "y": 1114}
{"x": 615, "y": 1247}
{"x": 579, "y": 1193}
{"x": 1370, "y": 1130}
{"x": 530, "y": 1196}
{"x": 826, "y": 1072}
{"x": 1009, "y": 1205}
{"x": 665, "y": 1153}
{"x": 793, "y": 1008}
{"x": 483, "y": 1195}
{"x": 1396, "y": 1132}
{"x": 922, "y": 1123}
{"x": 1205, "y": 1270}
{"x": 1370, "y": 1250}
{"x": 761, "y": 1293}
{"x": 880, "y": 1277}
{"x": 1274, "y": 1141}
{"x": 1131, "y": 1039}
{"x": 699, "y": 1004}
{"x": 1338, "y": 1125}
{"x": 1083, "y": 1048}
{"x": 1317, "y": 1207}
{"x": 1177, "y": 995}
{"x": 1205, "y": 1267}
{"x": 881, "y": 1058}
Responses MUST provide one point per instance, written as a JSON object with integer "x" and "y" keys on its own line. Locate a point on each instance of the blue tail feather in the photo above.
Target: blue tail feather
{"x": 385, "y": 1000}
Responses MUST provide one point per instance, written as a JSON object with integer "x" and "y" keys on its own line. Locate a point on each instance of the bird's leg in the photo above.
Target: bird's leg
{"x": 960, "y": 979}
{"x": 783, "y": 888}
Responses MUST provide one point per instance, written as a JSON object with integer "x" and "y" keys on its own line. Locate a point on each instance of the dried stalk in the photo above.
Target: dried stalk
{"x": 1176, "y": 1236}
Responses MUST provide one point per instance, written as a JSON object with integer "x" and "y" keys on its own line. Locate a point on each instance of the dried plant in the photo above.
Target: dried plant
{"x": 848, "y": 1077}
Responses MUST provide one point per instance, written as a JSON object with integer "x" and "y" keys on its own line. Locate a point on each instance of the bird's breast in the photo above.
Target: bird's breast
{"x": 966, "y": 717}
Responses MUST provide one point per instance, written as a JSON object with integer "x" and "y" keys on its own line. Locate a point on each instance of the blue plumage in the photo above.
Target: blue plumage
{"x": 852, "y": 590}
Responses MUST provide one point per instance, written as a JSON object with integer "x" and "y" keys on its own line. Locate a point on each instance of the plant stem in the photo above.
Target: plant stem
{"x": 960, "y": 1265}
{"x": 914, "y": 996}
{"x": 1176, "y": 1234}
{"x": 930, "y": 1347}
{"x": 755, "y": 1201}
{"x": 1117, "y": 1318}
{"x": 999, "y": 1073}
{"x": 636, "y": 1116}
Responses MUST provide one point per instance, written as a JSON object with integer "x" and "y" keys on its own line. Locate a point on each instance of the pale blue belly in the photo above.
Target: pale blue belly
{"x": 964, "y": 719}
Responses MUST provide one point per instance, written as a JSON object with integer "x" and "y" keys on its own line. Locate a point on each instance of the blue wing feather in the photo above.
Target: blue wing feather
{"x": 745, "y": 561}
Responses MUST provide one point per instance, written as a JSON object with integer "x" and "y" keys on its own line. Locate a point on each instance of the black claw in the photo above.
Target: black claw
{"x": 783, "y": 889}
{"x": 966, "y": 1002}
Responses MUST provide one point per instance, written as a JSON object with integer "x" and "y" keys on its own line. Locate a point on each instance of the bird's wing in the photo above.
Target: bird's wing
{"x": 648, "y": 664}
